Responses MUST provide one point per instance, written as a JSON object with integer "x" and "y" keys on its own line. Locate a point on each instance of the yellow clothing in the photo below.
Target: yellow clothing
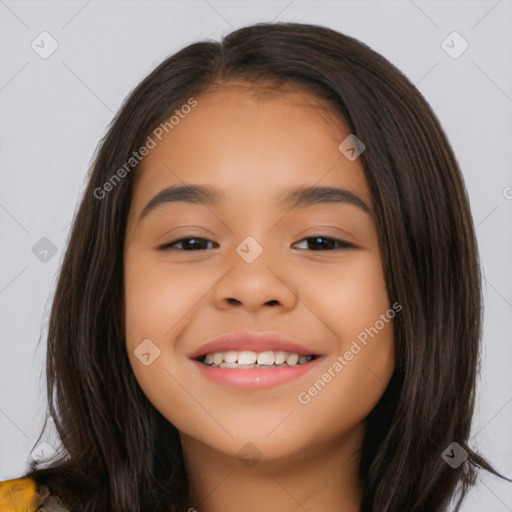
{"x": 23, "y": 495}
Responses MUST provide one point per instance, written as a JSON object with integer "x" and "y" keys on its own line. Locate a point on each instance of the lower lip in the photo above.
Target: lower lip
{"x": 255, "y": 378}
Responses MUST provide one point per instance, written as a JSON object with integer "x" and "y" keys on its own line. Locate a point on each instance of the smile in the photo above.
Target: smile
{"x": 248, "y": 360}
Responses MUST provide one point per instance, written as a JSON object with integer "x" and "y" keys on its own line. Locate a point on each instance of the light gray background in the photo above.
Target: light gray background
{"x": 55, "y": 110}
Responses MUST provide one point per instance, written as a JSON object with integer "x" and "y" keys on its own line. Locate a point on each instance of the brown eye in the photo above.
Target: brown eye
{"x": 319, "y": 242}
{"x": 188, "y": 244}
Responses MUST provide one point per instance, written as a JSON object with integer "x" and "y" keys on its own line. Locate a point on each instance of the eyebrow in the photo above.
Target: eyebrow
{"x": 294, "y": 197}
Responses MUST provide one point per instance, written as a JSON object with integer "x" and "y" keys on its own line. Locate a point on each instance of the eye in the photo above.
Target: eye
{"x": 318, "y": 241}
{"x": 197, "y": 244}
{"x": 194, "y": 246}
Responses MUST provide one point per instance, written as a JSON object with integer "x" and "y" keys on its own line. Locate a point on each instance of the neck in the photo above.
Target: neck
{"x": 320, "y": 478}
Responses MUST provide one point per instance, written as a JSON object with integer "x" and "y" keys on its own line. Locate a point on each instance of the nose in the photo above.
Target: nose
{"x": 253, "y": 284}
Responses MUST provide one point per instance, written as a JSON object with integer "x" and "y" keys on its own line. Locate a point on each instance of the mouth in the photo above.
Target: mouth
{"x": 254, "y": 360}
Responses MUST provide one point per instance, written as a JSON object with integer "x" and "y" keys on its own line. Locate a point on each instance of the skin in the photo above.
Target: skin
{"x": 253, "y": 144}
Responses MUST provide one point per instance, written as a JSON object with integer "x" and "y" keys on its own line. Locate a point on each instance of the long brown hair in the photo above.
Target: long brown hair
{"x": 119, "y": 453}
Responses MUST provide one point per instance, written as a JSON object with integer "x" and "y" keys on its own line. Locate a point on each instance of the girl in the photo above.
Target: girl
{"x": 271, "y": 295}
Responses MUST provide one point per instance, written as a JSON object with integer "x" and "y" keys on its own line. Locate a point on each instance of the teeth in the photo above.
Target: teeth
{"x": 280, "y": 357}
{"x": 231, "y": 356}
{"x": 249, "y": 359}
{"x": 266, "y": 358}
{"x": 228, "y": 365}
{"x": 291, "y": 359}
{"x": 244, "y": 358}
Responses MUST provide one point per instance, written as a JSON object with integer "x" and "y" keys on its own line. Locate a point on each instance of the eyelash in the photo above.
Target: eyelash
{"x": 343, "y": 244}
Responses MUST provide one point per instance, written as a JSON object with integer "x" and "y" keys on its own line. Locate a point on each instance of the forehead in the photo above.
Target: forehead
{"x": 271, "y": 104}
{"x": 252, "y": 140}
{"x": 240, "y": 118}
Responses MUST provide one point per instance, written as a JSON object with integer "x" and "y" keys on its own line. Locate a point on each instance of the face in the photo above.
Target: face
{"x": 251, "y": 263}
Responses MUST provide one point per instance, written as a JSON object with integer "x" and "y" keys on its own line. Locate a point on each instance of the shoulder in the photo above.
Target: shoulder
{"x": 24, "y": 495}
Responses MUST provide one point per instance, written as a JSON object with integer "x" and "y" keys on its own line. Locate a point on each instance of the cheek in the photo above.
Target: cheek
{"x": 350, "y": 297}
{"x": 153, "y": 311}
{"x": 152, "y": 304}
{"x": 357, "y": 309}
{"x": 350, "y": 300}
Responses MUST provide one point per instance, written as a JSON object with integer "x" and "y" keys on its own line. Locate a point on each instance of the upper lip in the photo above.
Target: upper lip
{"x": 255, "y": 342}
